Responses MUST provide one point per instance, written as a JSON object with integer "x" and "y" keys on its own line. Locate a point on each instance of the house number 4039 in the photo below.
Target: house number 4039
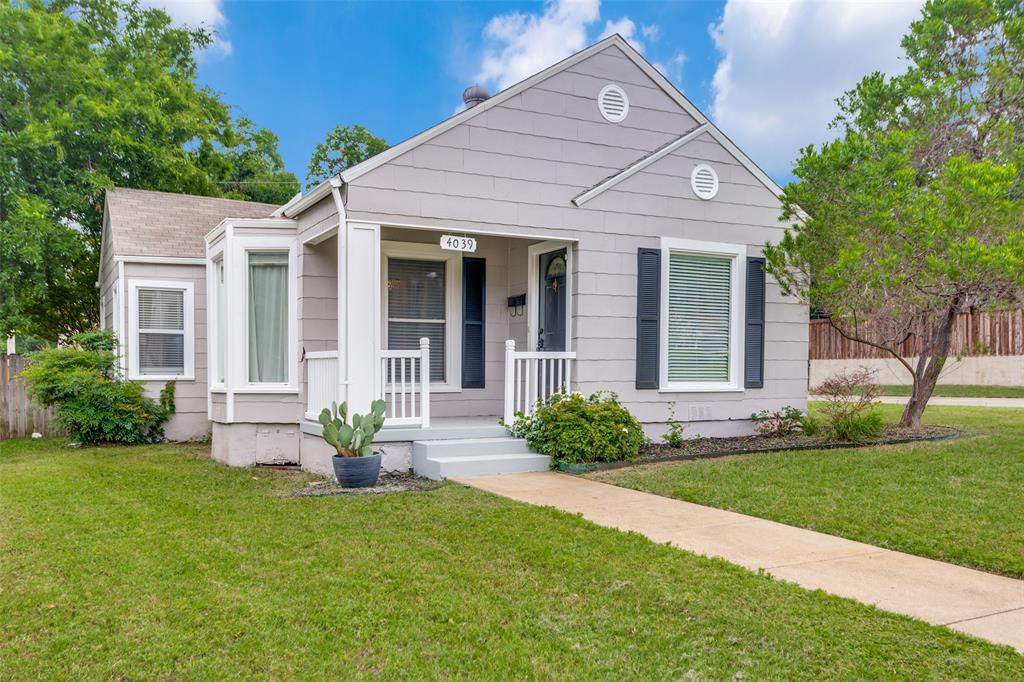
{"x": 451, "y": 243}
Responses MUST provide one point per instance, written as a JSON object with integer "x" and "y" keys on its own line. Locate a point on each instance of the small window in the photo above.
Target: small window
{"x": 220, "y": 319}
{"x": 268, "y": 317}
{"x": 416, "y": 307}
{"x": 162, "y": 343}
{"x": 613, "y": 103}
{"x": 704, "y": 182}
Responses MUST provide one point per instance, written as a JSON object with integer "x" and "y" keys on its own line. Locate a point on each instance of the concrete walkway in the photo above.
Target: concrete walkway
{"x": 978, "y": 603}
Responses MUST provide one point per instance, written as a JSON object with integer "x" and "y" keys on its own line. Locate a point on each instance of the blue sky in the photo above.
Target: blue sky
{"x": 766, "y": 72}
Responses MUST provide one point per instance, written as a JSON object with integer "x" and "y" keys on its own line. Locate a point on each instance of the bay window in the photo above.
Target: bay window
{"x": 267, "y": 314}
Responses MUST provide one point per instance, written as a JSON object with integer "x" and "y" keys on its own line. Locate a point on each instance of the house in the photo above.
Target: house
{"x": 587, "y": 228}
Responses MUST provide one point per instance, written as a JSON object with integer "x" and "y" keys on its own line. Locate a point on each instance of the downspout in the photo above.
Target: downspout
{"x": 343, "y": 351}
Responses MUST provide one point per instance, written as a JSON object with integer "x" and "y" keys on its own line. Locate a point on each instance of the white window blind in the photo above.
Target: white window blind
{"x": 268, "y": 317}
{"x": 416, "y": 308}
{"x": 161, "y": 316}
{"x": 699, "y": 314}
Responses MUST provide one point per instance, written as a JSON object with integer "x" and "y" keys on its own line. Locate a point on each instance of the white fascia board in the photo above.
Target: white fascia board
{"x": 162, "y": 260}
{"x": 318, "y": 193}
{"x": 610, "y": 182}
{"x": 273, "y": 223}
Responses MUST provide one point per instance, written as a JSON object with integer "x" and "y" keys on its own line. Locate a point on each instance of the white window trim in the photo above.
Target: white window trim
{"x": 738, "y": 252}
{"x": 453, "y": 304}
{"x": 188, "y": 297}
{"x": 213, "y": 320}
{"x": 240, "y": 295}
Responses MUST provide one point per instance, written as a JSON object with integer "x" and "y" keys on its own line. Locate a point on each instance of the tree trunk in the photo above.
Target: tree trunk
{"x": 929, "y": 366}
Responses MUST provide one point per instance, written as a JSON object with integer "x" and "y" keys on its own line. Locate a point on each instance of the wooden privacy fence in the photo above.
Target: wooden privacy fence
{"x": 19, "y": 416}
{"x": 989, "y": 333}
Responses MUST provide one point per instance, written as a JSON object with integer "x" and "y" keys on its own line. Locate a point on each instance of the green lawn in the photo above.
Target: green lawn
{"x": 961, "y": 391}
{"x": 959, "y": 501}
{"x": 156, "y": 563}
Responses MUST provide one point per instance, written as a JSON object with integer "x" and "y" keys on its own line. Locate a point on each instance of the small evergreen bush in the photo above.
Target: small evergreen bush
{"x": 94, "y": 404}
{"x": 572, "y": 429}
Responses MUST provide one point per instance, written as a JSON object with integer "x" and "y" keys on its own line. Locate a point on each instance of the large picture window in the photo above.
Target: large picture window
{"x": 268, "y": 317}
{"x": 162, "y": 344}
{"x": 701, "y": 335}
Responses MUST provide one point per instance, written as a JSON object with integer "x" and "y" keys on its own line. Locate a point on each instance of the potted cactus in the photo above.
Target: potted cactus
{"x": 356, "y": 465}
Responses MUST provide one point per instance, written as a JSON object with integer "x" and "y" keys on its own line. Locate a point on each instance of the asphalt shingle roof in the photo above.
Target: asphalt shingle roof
{"x": 147, "y": 223}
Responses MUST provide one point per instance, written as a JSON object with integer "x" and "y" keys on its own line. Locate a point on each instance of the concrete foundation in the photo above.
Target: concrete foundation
{"x": 315, "y": 456}
{"x": 988, "y": 370}
{"x": 243, "y": 445}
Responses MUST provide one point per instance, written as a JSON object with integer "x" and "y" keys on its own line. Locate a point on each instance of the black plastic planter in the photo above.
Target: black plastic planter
{"x": 357, "y": 472}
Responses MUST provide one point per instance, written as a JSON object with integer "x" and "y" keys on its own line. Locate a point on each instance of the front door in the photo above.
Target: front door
{"x": 551, "y": 306}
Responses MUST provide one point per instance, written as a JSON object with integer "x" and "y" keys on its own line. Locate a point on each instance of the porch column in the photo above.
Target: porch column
{"x": 359, "y": 315}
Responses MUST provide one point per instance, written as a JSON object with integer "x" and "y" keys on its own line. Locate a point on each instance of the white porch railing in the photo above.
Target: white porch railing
{"x": 532, "y": 376}
{"x": 405, "y": 385}
{"x": 321, "y": 381}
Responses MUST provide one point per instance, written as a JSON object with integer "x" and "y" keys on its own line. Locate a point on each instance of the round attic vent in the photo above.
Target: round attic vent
{"x": 613, "y": 103}
{"x": 704, "y": 181}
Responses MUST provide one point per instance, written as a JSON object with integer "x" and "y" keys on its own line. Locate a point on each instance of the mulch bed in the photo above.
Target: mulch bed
{"x": 389, "y": 482}
{"x": 707, "y": 448}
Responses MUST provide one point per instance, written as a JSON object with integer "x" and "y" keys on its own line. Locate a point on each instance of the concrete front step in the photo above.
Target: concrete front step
{"x": 439, "y": 459}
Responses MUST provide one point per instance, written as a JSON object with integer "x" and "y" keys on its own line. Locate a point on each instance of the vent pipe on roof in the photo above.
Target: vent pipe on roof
{"x": 473, "y": 95}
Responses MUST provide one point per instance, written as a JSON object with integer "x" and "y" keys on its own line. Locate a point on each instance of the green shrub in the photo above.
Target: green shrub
{"x": 573, "y": 429}
{"x": 849, "y": 412}
{"x": 94, "y": 404}
{"x": 857, "y": 427}
{"x": 783, "y": 422}
{"x": 810, "y": 425}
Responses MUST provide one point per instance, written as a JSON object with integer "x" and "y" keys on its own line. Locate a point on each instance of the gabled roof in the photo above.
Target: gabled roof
{"x": 148, "y": 223}
{"x": 350, "y": 174}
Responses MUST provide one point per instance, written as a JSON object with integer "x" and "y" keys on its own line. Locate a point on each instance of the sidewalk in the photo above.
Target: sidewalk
{"x": 938, "y": 400}
{"x": 978, "y": 603}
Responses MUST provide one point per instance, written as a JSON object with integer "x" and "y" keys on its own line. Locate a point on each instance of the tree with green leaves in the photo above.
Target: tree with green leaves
{"x": 96, "y": 94}
{"x": 916, "y": 212}
{"x": 344, "y": 146}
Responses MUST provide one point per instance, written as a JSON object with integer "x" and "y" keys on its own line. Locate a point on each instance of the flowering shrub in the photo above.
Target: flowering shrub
{"x": 849, "y": 412}
{"x": 573, "y": 429}
{"x": 93, "y": 402}
{"x": 784, "y": 422}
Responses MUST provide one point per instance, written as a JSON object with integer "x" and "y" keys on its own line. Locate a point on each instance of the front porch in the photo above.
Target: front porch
{"x": 452, "y": 341}
{"x": 432, "y": 331}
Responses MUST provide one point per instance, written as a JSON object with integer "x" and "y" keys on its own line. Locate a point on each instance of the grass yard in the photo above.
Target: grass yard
{"x": 961, "y": 391}
{"x": 156, "y": 563}
{"x": 958, "y": 501}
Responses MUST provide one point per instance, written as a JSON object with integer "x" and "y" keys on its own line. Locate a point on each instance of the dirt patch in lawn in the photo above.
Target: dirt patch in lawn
{"x": 389, "y": 482}
{"x": 704, "y": 448}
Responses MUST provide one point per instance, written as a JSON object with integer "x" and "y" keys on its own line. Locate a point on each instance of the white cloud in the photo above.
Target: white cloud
{"x": 784, "y": 63}
{"x": 205, "y": 13}
{"x": 672, "y": 68}
{"x": 626, "y": 28}
{"x": 519, "y": 44}
{"x": 651, "y": 32}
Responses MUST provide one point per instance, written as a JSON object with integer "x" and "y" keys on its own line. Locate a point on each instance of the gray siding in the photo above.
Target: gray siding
{"x": 515, "y": 169}
{"x": 190, "y": 418}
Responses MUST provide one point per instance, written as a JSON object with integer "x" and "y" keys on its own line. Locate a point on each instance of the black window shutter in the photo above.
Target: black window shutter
{"x": 648, "y": 309}
{"x": 474, "y": 297}
{"x": 753, "y": 356}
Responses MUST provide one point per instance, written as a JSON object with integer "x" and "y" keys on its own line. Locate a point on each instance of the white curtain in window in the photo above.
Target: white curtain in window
{"x": 699, "y": 314}
{"x": 268, "y": 317}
